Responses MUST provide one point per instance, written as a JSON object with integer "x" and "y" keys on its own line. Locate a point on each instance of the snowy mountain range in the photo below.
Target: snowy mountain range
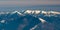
{"x": 30, "y": 20}
{"x": 33, "y": 12}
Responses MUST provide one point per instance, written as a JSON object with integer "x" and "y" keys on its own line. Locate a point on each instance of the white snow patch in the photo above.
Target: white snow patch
{"x": 2, "y": 21}
{"x": 33, "y": 27}
{"x": 2, "y": 13}
{"x": 42, "y": 20}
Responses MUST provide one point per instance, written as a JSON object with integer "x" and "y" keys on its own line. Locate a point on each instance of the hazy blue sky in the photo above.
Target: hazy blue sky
{"x": 25, "y": 3}
{"x": 28, "y": 2}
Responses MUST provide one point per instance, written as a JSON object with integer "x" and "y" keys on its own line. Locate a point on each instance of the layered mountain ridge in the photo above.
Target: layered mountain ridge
{"x": 30, "y": 20}
{"x": 32, "y": 12}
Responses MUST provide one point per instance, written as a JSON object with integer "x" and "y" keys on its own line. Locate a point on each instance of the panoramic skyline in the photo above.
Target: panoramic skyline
{"x": 28, "y": 2}
{"x": 34, "y": 4}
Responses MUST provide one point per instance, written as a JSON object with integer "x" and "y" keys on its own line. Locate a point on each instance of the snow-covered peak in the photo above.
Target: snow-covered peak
{"x": 17, "y": 12}
{"x": 32, "y": 11}
{"x": 41, "y": 12}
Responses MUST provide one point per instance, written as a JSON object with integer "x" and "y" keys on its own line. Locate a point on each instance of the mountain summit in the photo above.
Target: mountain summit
{"x": 17, "y": 12}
